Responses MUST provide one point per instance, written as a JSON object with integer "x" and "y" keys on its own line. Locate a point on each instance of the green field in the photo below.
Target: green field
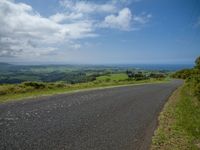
{"x": 20, "y": 81}
{"x": 113, "y": 77}
{"x": 71, "y": 74}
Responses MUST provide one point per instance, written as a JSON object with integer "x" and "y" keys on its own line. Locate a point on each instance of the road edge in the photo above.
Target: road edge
{"x": 80, "y": 90}
{"x": 154, "y": 125}
{"x": 166, "y": 111}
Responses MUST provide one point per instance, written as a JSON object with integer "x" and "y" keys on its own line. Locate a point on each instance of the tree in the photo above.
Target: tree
{"x": 130, "y": 74}
{"x": 197, "y": 62}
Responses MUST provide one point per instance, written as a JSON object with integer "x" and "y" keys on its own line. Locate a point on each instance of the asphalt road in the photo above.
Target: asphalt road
{"x": 121, "y": 118}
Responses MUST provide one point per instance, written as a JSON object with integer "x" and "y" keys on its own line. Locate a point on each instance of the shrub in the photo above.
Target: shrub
{"x": 4, "y": 90}
{"x": 56, "y": 85}
{"x": 35, "y": 85}
{"x": 194, "y": 84}
{"x": 197, "y": 91}
{"x": 107, "y": 79}
{"x": 156, "y": 75}
{"x": 183, "y": 74}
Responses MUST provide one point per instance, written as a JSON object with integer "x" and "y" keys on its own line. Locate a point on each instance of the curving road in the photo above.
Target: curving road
{"x": 121, "y": 118}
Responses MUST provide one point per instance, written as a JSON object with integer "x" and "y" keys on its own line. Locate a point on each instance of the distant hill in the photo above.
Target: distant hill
{"x": 2, "y": 64}
{"x": 5, "y": 66}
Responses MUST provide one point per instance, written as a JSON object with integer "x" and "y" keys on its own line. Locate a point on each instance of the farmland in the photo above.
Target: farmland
{"x": 19, "y": 82}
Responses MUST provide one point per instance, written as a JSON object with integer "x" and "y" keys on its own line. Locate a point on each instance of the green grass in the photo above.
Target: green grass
{"x": 18, "y": 92}
{"x": 113, "y": 77}
{"x": 179, "y": 123}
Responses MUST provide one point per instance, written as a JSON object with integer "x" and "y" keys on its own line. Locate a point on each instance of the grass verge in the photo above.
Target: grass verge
{"x": 31, "y": 93}
{"x": 179, "y": 123}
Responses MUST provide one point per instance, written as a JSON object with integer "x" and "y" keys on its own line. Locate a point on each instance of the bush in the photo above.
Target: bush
{"x": 156, "y": 75}
{"x": 107, "y": 79}
{"x": 192, "y": 77}
{"x": 183, "y": 74}
{"x": 197, "y": 91}
{"x": 30, "y": 86}
{"x": 4, "y": 90}
{"x": 57, "y": 85}
{"x": 35, "y": 85}
{"x": 194, "y": 84}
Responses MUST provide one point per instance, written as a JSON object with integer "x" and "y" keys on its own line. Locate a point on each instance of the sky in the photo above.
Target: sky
{"x": 100, "y": 31}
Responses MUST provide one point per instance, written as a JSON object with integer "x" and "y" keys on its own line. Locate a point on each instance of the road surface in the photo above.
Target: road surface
{"x": 120, "y": 118}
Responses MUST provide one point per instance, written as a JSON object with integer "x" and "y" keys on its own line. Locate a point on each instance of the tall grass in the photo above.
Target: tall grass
{"x": 31, "y": 89}
{"x": 179, "y": 123}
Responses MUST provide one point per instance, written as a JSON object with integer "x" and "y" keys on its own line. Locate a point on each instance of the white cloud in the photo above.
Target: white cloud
{"x": 88, "y": 7}
{"x": 24, "y": 32}
{"x": 121, "y": 21}
{"x": 142, "y": 19}
{"x": 124, "y": 20}
{"x": 60, "y": 17}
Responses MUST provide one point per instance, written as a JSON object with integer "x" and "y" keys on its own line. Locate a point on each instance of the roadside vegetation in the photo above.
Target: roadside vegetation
{"x": 31, "y": 89}
{"x": 179, "y": 123}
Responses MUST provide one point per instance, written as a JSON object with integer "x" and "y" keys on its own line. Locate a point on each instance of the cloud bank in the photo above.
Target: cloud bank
{"x": 24, "y": 32}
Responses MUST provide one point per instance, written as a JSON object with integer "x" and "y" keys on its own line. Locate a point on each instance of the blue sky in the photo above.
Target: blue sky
{"x": 100, "y": 32}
